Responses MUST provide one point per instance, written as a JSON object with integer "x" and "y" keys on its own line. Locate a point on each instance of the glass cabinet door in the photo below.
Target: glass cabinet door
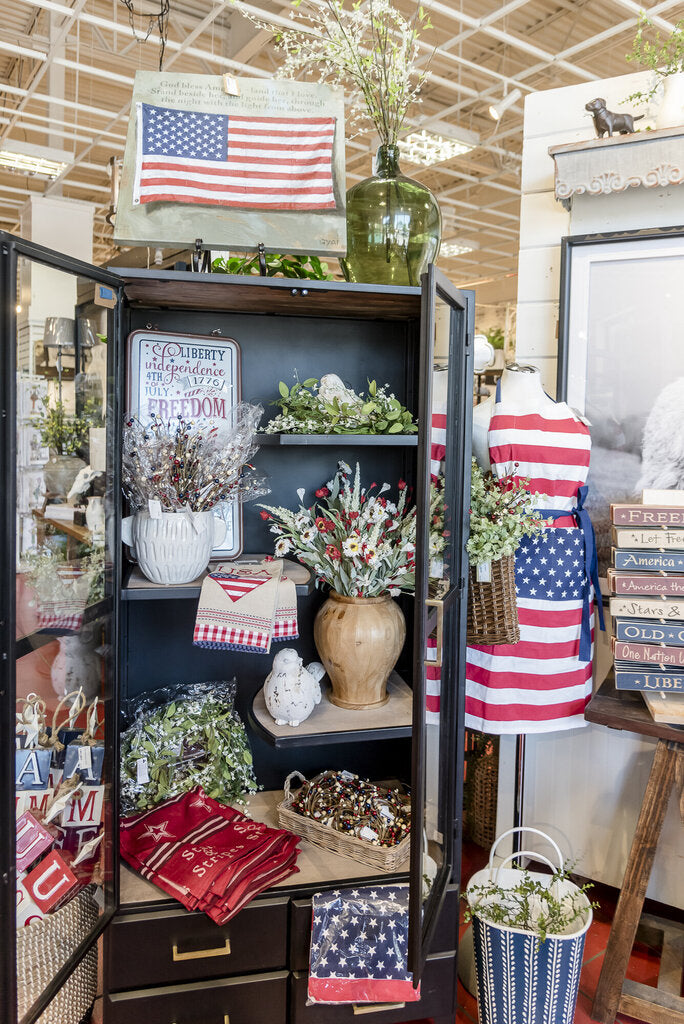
{"x": 59, "y": 584}
{"x": 440, "y": 607}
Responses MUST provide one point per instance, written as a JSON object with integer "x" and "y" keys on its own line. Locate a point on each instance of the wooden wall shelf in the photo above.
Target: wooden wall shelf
{"x": 330, "y": 724}
{"x": 137, "y": 587}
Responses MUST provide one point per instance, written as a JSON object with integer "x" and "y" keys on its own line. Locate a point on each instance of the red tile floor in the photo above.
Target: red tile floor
{"x": 643, "y": 965}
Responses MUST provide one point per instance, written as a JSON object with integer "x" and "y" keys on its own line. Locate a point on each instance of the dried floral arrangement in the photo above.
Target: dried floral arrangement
{"x": 188, "y": 467}
{"x": 502, "y": 512}
{"x": 531, "y": 905}
{"x": 357, "y": 542}
{"x": 306, "y": 409}
{"x": 371, "y": 49}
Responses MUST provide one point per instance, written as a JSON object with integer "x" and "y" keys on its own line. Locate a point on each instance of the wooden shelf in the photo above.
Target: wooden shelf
{"x": 269, "y": 296}
{"x": 339, "y": 440}
{"x": 137, "y": 587}
{"x": 317, "y": 867}
{"x": 330, "y": 724}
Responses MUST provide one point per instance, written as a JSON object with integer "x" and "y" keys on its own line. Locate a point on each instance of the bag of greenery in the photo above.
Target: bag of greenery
{"x": 180, "y": 737}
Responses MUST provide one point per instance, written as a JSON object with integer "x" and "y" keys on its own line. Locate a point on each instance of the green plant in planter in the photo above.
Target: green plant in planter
{"x": 531, "y": 905}
{"x": 307, "y": 268}
{"x": 496, "y": 337}
{"x": 63, "y": 433}
{"x": 664, "y": 56}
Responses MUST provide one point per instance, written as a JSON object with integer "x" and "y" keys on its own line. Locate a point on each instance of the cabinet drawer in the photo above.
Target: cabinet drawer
{"x": 260, "y": 997}
{"x": 444, "y": 939}
{"x": 174, "y": 945}
{"x": 437, "y": 999}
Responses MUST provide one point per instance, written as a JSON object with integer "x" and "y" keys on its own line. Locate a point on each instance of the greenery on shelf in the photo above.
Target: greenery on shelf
{"x": 532, "y": 905}
{"x": 496, "y": 337}
{"x": 502, "y": 512}
{"x": 64, "y": 433}
{"x": 663, "y": 55}
{"x": 306, "y": 411}
{"x": 54, "y": 577}
{"x": 307, "y": 268}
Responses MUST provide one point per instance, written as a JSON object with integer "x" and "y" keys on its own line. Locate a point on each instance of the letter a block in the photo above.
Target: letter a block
{"x": 51, "y": 882}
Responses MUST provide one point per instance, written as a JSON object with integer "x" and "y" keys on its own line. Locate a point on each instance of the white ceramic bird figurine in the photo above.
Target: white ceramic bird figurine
{"x": 291, "y": 691}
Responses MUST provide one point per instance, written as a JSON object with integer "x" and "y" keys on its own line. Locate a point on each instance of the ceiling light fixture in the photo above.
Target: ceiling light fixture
{"x": 425, "y": 147}
{"x": 451, "y": 249}
{"x": 507, "y": 100}
{"x": 40, "y": 161}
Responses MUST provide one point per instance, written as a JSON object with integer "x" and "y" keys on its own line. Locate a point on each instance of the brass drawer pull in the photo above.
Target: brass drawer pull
{"x": 376, "y": 1007}
{"x": 437, "y": 603}
{"x": 201, "y": 954}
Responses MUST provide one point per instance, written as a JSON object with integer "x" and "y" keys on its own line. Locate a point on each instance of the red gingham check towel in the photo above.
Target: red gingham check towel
{"x": 207, "y": 856}
{"x": 245, "y": 608}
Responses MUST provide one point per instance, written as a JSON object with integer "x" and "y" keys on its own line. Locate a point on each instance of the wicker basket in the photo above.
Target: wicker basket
{"x": 484, "y": 791}
{"x": 385, "y": 858}
{"x": 492, "y": 608}
{"x": 44, "y": 947}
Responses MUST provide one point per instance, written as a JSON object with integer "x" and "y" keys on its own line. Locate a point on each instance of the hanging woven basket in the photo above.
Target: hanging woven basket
{"x": 492, "y": 608}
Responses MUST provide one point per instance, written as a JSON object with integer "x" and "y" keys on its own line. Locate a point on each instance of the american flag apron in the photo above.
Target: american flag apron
{"x": 543, "y": 682}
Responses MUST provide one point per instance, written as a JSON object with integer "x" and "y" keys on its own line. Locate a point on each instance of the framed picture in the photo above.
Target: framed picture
{"x": 621, "y": 363}
{"x": 261, "y": 162}
{"x": 193, "y": 376}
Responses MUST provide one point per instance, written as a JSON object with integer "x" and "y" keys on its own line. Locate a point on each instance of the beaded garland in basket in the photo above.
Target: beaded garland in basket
{"x": 340, "y": 812}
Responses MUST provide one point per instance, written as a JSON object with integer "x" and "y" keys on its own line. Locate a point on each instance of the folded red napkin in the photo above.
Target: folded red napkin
{"x": 206, "y": 855}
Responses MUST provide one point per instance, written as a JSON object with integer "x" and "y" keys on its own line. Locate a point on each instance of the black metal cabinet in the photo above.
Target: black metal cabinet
{"x": 420, "y": 341}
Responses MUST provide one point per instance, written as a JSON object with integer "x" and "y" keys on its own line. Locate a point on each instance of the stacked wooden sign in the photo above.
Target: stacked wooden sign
{"x": 647, "y": 605}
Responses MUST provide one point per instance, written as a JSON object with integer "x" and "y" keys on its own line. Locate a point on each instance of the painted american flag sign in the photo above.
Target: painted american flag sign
{"x": 253, "y": 162}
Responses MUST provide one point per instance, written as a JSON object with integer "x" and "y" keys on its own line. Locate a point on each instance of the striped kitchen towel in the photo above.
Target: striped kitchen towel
{"x": 246, "y": 608}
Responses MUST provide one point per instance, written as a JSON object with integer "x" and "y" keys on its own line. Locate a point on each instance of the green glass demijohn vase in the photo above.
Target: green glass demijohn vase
{"x": 394, "y": 226}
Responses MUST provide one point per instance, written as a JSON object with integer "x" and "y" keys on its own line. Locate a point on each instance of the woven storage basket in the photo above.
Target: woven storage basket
{"x": 385, "y": 858}
{"x": 492, "y": 608}
{"x": 44, "y": 947}
{"x": 482, "y": 809}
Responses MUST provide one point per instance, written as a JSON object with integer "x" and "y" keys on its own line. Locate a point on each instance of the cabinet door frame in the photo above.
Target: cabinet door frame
{"x": 12, "y": 249}
{"x": 424, "y": 914}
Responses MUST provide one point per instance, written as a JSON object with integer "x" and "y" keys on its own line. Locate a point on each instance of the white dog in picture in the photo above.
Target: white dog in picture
{"x": 662, "y": 453}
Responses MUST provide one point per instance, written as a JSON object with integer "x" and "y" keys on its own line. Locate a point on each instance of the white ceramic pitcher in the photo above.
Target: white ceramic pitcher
{"x": 173, "y": 547}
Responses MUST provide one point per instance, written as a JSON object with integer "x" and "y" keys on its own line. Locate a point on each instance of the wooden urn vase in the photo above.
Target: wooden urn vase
{"x": 359, "y": 640}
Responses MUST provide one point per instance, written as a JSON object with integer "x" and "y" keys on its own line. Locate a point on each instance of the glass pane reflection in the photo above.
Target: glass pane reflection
{"x": 63, "y": 608}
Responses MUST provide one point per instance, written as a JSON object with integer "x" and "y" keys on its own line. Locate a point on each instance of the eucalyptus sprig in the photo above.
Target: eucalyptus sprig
{"x": 502, "y": 512}
{"x": 309, "y": 268}
{"x": 531, "y": 905}
{"x": 306, "y": 411}
{"x": 664, "y": 56}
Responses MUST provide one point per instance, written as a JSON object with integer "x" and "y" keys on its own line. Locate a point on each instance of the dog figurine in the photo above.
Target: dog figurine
{"x": 606, "y": 122}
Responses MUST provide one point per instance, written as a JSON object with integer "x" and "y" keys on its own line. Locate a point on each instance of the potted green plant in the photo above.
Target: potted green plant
{"x": 373, "y": 51}
{"x": 65, "y": 434}
{"x": 528, "y": 936}
{"x": 663, "y": 56}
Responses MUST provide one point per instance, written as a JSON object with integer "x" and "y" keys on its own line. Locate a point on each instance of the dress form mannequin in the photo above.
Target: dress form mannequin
{"x": 522, "y": 392}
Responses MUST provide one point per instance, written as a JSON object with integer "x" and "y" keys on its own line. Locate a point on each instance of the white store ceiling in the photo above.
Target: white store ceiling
{"x": 67, "y": 67}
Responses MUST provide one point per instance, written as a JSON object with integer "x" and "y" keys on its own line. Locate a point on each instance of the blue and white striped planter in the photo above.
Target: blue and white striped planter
{"x": 519, "y": 979}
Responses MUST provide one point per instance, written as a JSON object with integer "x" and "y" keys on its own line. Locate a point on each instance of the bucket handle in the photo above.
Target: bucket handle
{"x": 522, "y": 853}
{"x": 537, "y": 832}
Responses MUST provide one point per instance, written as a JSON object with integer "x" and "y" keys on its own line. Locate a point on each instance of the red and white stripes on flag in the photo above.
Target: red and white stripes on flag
{"x": 254, "y": 162}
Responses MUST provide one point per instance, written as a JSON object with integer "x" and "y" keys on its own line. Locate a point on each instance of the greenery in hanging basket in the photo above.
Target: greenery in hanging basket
{"x": 308, "y": 409}
{"x": 502, "y": 512}
{"x": 531, "y": 905}
{"x": 307, "y": 268}
{"x": 664, "y": 56}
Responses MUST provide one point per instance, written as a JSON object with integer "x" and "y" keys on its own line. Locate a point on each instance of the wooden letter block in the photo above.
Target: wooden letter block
{"x": 32, "y": 840}
{"x": 32, "y": 768}
{"x": 85, "y": 809}
{"x": 50, "y": 882}
{"x": 34, "y": 800}
{"x": 87, "y": 761}
{"x": 27, "y": 911}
